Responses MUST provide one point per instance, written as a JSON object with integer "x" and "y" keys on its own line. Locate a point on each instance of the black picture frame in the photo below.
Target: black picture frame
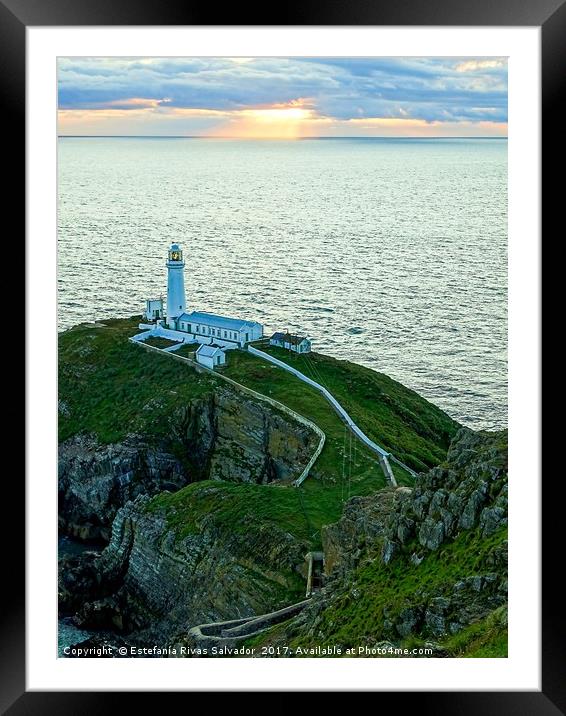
{"x": 15, "y": 16}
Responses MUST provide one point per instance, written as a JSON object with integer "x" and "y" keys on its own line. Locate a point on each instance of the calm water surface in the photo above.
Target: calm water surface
{"x": 390, "y": 253}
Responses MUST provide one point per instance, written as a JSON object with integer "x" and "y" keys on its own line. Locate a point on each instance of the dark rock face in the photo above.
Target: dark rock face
{"x": 365, "y": 521}
{"x": 252, "y": 442}
{"x": 95, "y": 480}
{"x": 225, "y": 436}
{"x": 149, "y": 583}
{"x": 78, "y": 580}
{"x": 467, "y": 492}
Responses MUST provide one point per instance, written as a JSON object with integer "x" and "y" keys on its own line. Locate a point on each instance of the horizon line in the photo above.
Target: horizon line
{"x": 269, "y": 139}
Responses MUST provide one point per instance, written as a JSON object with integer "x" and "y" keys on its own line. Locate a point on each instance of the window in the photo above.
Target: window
{"x": 225, "y": 334}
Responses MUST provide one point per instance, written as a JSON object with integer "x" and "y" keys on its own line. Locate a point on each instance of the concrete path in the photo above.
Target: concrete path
{"x": 230, "y": 633}
{"x": 382, "y": 454}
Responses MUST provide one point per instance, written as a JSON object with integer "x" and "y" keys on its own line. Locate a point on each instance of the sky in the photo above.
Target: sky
{"x": 283, "y": 97}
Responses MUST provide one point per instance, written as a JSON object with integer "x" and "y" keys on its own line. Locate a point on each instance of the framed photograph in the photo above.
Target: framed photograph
{"x": 283, "y": 326}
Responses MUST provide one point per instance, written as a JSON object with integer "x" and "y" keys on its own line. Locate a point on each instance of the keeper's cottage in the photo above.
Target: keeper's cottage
{"x": 197, "y": 326}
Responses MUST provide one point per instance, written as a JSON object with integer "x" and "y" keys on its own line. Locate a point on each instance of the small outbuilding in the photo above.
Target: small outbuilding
{"x": 291, "y": 341}
{"x": 210, "y": 356}
{"x": 153, "y": 309}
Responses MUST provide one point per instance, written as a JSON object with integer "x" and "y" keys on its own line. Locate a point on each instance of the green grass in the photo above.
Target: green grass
{"x": 351, "y": 622}
{"x": 235, "y": 505}
{"x": 159, "y": 342}
{"x": 110, "y": 387}
{"x": 484, "y": 639}
{"x": 397, "y": 418}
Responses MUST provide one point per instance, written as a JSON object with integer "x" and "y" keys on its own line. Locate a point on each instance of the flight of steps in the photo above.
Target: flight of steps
{"x": 231, "y": 633}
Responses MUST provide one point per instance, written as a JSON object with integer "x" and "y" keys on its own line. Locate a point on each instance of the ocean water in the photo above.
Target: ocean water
{"x": 67, "y": 633}
{"x": 388, "y": 252}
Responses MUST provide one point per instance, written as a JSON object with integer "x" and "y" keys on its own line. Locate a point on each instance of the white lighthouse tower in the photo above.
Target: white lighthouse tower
{"x": 175, "y": 285}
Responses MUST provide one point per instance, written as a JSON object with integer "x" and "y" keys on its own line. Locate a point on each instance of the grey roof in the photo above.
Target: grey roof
{"x": 289, "y": 338}
{"x": 208, "y": 351}
{"x": 211, "y": 319}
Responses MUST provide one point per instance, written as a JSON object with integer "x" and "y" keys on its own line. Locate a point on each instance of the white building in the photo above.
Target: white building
{"x": 292, "y": 342}
{"x": 198, "y": 326}
{"x": 210, "y": 356}
{"x": 153, "y": 309}
{"x": 210, "y": 328}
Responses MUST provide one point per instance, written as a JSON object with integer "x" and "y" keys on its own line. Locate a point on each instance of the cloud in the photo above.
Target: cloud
{"x": 474, "y": 65}
{"x": 337, "y": 89}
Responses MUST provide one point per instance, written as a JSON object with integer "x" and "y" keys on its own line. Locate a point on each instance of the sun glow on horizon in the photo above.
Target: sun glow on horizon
{"x": 287, "y": 98}
{"x": 276, "y": 122}
{"x": 297, "y": 119}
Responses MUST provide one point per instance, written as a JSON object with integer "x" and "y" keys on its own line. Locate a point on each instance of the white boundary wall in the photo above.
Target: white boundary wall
{"x": 138, "y": 340}
{"x": 184, "y": 337}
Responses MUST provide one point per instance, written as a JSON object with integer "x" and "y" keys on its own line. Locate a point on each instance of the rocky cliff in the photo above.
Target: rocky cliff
{"x": 166, "y": 569}
{"x": 469, "y": 490}
{"x": 186, "y": 481}
{"x": 405, "y": 568}
{"x": 408, "y": 567}
{"x": 223, "y": 435}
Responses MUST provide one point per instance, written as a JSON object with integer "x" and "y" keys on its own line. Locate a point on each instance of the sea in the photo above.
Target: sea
{"x": 67, "y": 633}
{"x": 388, "y": 252}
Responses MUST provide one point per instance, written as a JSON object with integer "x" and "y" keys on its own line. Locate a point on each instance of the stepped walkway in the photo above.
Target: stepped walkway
{"x": 382, "y": 454}
{"x": 229, "y": 634}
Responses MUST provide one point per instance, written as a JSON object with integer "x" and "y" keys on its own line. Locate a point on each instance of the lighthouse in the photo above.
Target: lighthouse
{"x": 175, "y": 285}
{"x": 197, "y": 326}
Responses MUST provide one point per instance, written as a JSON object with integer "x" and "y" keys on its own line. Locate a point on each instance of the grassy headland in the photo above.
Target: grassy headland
{"x": 111, "y": 388}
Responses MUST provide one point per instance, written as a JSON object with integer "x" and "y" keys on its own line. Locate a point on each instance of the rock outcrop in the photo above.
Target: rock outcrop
{"x": 469, "y": 490}
{"x": 151, "y": 581}
{"x": 422, "y": 563}
{"x": 223, "y": 436}
{"x": 96, "y": 480}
